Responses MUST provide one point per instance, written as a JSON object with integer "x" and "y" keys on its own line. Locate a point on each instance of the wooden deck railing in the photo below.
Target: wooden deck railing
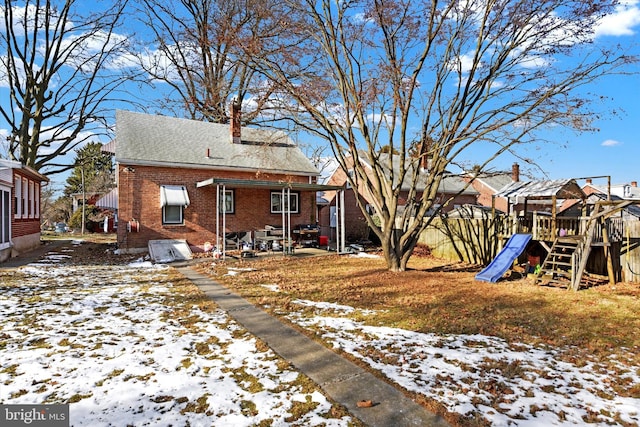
{"x": 543, "y": 227}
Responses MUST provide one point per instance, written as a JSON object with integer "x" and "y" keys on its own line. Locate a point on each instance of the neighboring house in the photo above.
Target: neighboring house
{"x": 20, "y": 192}
{"x": 541, "y": 196}
{"x": 194, "y": 181}
{"x": 108, "y": 203}
{"x": 452, "y": 193}
{"x": 487, "y": 184}
{"x": 628, "y": 191}
{"x": 597, "y": 194}
{"x": 77, "y": 199}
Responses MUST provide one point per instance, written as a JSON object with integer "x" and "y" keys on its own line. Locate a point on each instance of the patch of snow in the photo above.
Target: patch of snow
{"x": 531, "y": 386}
{"x": 121, "y": 344}
{"x": 364, "y": 255}
{"x": 344, "y": 309}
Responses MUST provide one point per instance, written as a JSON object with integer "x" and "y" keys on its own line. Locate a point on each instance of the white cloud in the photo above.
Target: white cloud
{"x": 611, "y": 143}
{"x": 622, "y": 22}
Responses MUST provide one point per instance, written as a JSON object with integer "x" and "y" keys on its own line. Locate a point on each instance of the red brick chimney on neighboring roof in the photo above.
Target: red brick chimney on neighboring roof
{"x": 236, "y": 114}
{"x": 515, "y": 172}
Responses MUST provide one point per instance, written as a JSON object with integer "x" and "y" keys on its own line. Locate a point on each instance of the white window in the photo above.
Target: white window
{"x": 17, "y": 187}
{"x": 173, "y": 200}
{"x": 352, "y": 175}
{"x": 277, "y": 205}
{"x": 37, "y": 199}
{"x": 173, "y": 214}
{"x": 227, "y": 203}
{"x": 25, "y": 198}
{"x": 32, "y": 204}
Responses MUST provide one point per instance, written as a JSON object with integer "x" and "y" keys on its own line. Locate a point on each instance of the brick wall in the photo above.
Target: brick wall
{"x": 485, "y": 196}
{"x": 139, "y": 199}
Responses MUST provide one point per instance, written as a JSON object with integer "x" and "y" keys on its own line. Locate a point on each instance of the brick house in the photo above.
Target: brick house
{"x": 487, "y": 184}
{"x": 451, "y": 187}
{"x": 193, "y": 181}
{"x": 20, "y": 201}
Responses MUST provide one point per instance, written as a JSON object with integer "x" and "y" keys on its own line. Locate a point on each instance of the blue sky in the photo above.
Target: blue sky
{"x": 614, "y": 150}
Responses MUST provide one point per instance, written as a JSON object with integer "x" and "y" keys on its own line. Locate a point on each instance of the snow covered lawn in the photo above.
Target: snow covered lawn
{"x": 475, "y": 374}
{"x": 132, "y": 345}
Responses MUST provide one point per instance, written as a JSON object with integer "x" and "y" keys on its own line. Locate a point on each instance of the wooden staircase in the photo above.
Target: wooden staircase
{"x": 558, "y": 266}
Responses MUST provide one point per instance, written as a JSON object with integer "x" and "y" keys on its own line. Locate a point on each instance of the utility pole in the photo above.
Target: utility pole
{"x": 84, "y": 197}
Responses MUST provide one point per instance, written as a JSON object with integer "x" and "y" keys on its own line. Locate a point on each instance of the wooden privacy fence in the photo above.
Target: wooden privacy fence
{"x": 478, "y": 240}
{"x": 475, "y": 240}
{"x": 630, "y": 252}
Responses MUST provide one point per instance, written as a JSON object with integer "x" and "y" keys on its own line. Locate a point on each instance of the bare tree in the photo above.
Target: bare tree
{"x": 62, "y": 65}
{"x": 201, "y": 50}
{"x": 433, "y": 80}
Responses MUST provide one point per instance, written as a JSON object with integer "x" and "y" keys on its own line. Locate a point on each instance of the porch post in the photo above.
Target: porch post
{"x": 554, "y": 226}
{"x": 342, "y": 229}
{"x": 289, "y": 248}
{"x": 337, "y": 214}
{"x": 218, "y": 217}
{"x": 224, "y": 221}
{"x": 285, "y": 208}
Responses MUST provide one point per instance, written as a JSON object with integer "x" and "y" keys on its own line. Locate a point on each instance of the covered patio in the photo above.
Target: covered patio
{"x": 282, "y": 236}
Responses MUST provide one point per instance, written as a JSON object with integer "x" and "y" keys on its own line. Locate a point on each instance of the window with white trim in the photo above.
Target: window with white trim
{"x": 173, "y": 200}
{"x": 277, "y": 206}
{"x": 351, "y": 174}
{"x": 228, "y": 199}
{"x": 172, "y": 214}
{"x": 37, "y": 198}
{"x": 17, "y": 198}
{"x": 32, "y": 204}
{"x": 25, "y": 198}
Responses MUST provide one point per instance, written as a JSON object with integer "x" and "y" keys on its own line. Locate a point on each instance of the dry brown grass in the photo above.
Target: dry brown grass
{"x": 440, "y": 298}
{"x": 435, "y": 297}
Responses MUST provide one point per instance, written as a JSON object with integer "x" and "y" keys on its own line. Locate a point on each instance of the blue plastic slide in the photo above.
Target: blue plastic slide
{"x": 501, "y": 263}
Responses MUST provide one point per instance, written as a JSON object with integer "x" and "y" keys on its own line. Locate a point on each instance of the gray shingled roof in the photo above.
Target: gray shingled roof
{"x": 496, "y": 181}
{"x": 450, "y": 183}
{"x": 160, "y": 140}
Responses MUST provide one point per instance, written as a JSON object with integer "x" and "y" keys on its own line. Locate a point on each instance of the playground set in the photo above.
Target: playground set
{"x": 567, "y": 241}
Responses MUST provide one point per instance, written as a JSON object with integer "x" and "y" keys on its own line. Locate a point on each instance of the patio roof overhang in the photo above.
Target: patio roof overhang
{"x": 285, "y": 187}
{"x": 271, "y": 185}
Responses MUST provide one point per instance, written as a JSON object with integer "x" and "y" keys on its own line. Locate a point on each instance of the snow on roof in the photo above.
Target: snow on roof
{"x": 560, "y": 188}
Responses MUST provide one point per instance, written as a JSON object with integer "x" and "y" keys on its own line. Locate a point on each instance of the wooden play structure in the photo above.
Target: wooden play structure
{"x": 568, "y": 240}
{"x": 567, "y": 258}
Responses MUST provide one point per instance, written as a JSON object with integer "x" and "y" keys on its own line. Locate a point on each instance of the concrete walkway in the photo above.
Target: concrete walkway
{"x": 343, "y": 381}
{"x": 35, "y": 254}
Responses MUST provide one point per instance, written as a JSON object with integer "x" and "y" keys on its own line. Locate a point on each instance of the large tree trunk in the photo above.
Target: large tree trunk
{"x": 397, "y": 249}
